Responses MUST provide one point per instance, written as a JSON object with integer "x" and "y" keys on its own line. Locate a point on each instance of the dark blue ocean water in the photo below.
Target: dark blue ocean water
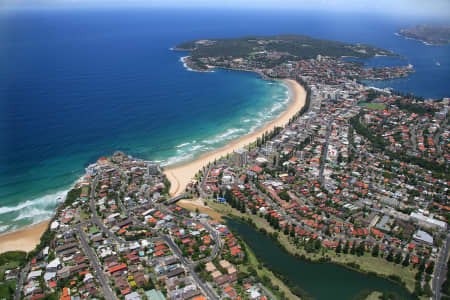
{"x": 79, "y": 84}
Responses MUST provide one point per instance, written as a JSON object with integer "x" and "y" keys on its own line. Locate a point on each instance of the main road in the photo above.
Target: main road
{"x": 439, "y": 273}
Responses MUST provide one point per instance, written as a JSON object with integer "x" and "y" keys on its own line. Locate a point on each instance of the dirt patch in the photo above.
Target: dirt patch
{"x": 192, "y": 205}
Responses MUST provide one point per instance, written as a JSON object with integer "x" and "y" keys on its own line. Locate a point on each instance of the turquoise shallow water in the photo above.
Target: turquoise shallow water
{"x": 79, "y": 84}
{"x": 95, "y": 92}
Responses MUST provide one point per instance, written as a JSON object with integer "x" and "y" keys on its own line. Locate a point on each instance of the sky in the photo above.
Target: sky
{"x": 438, "y": 8}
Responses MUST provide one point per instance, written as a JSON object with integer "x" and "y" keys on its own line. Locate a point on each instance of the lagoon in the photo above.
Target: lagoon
{"x": 320, "y": 281}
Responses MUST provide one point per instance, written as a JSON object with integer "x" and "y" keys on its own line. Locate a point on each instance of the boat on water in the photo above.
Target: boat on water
{"x": 438, "y": 64}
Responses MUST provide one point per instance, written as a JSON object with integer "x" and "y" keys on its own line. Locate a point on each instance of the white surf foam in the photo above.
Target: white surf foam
{"x": 44, "y": 201}
{"x": 34, "y": 213}
{"x": 182, "y": 145}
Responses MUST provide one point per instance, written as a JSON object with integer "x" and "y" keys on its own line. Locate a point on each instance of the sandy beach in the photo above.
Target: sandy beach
{"x": 181, "y": 176}
{"x": 24, "y": 240}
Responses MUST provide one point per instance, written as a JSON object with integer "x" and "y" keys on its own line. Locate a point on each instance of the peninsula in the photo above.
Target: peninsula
{"x": 428, "y": 34}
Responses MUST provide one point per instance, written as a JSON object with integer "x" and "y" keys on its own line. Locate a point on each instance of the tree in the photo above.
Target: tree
{"x": 375, "y": 250}
{"x": 430, "y": 268}
{"x": 346, "y": 247}
{"x": 406, "y": 260}
{"x": 390, "y": 256}
{"x": 353, "y": 250}
{"x": 317, "y": 244}
{"x": 398, "y": 257}
{"x": 422, "y": 266}
{"x": 361, "y": 248}
{"x": 339, "y": 247}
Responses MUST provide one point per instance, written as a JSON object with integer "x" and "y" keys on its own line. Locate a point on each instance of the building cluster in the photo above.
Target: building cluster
{"x": 117, "y": 237}
{"x": 362, "y": 167}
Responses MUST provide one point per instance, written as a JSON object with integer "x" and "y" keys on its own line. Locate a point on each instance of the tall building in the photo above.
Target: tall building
{"x": 241, "y": 157}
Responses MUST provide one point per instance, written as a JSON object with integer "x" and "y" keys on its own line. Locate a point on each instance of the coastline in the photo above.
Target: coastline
{"x": 27, "y": 238}
{"x": 181, "y": 176}
{"x": 24, "y": 239}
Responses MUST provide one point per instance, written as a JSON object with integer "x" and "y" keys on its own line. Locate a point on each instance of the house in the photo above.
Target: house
{"x": 154, "y": 295}
{"x": 54, "y": 265}
{"x": 118, "y": 268}
{"x": 34, "y": 275}
{"x": 423, "y": 237}
{"x": 133, "y": 296}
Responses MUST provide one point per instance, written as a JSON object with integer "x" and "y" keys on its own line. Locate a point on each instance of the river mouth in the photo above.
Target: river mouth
{"x": 321, "y": 281}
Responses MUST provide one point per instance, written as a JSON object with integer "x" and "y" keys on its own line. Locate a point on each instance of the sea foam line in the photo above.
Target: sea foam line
{"x": 38, "y": 209}
{"x": 188, "y": 150}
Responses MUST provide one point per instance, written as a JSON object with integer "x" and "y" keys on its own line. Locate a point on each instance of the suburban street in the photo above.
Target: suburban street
{"x": 107, "y": 291}
{"x": 19, "y": 286}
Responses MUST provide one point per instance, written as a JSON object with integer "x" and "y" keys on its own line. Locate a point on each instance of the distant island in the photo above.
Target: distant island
{"x": 428, "y": 34}
{"x": 273, "y": 50}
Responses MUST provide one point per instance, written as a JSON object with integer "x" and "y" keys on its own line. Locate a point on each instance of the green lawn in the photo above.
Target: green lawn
{"x": 377, "y": 106}
{"x": 374, "y": 296}
{"x": 7, "y": 289}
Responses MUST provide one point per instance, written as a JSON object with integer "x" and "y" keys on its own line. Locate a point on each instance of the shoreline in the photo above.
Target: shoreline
{"x": 26, "y": 239}
{"x": 181, "y": 176}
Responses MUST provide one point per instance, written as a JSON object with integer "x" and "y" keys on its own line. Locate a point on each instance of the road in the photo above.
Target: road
{"x": 442, "y": 127}
{"x": 19, "y": 285}
{"x": 203, "y": 286}
{"x": 324, "y": 155}
{"x": 439, "y": 273}
{"x": 189, "y": 266}
{"x": 95, "y": 217}
{"x": 107, "y": 291}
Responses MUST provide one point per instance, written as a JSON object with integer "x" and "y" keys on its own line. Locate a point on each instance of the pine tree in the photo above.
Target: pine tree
{"x": 339, "y": 247}
{"x": 398, "y": 257}
{"x": 346, "y": 247}
{"x": 406, "y": 260}
{"x": 390, "y": 256}
{"x": 375, "y": 250}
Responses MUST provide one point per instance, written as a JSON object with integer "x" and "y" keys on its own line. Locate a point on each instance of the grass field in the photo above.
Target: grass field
{"x": 374, "y": 296}
{"x": 9, "y": 260}
{"x": 377, "y": 106}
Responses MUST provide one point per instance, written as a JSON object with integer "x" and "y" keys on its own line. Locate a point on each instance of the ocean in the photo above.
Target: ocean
{"x": 79, "y": 84}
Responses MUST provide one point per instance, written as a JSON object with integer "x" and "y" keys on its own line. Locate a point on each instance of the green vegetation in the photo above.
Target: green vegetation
{"x": 7, "y": 289}
{"x": 377, "y": 106}
{"x": 432, "y": 34}
{"x": 379, "y": 143}
{"x": 71, "y": 197}
{"x": 299, "y": 46}
{"x": 420, "y": 109}
{"x": 266, "y": 276}
{"x": 8, "y": 261}
{"x": 13, "y": 258}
